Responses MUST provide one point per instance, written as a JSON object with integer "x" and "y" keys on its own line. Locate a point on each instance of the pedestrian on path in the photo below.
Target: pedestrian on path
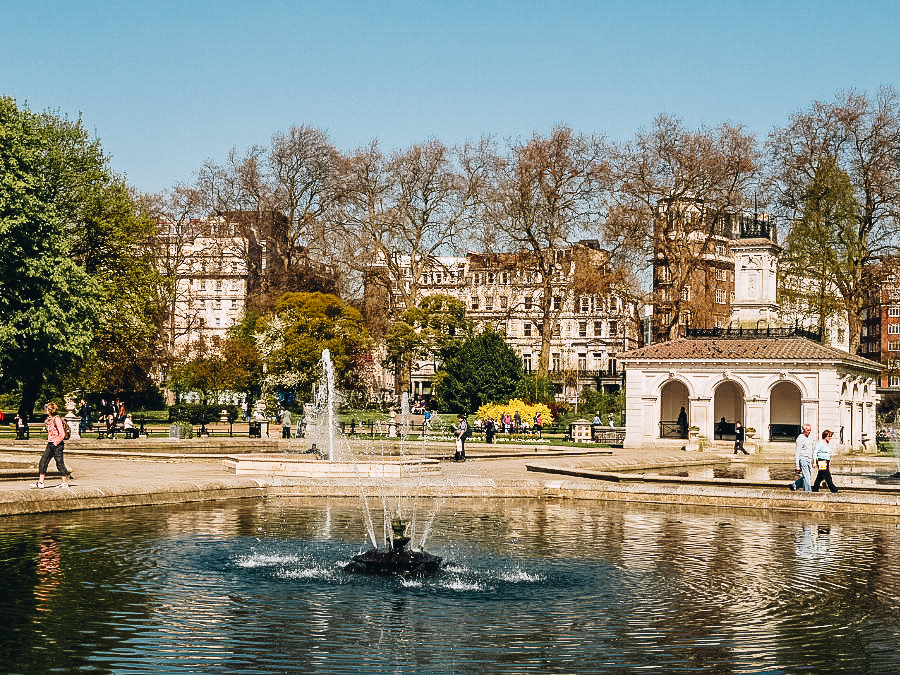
{"x": 56, "y": 436}
{"x": 286, "y": 424}
{"x": 803, "y": 459}
{"x": 461, "y": 431}
{"x": 739, "y": 438}
{"x": 823, "y": 462}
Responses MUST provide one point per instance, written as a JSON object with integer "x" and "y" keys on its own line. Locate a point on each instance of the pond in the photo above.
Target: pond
{"x": 529, "y": 586}
{"x": 846, "y": 473}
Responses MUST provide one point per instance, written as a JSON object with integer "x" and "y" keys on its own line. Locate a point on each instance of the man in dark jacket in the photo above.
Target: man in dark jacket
{"x": 462, "y": 433}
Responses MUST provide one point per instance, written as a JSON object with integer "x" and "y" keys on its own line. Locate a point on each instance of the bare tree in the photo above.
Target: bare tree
{"x": 832, "y": 155}
{"x": 400, "y": 213}
{"x": 674, "y": 192}
{"x": 544, "y": 196}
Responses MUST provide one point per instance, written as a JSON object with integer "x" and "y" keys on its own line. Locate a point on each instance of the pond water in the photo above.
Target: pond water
{"x": 844, "y": 473}
{"x": 529, "y": 587}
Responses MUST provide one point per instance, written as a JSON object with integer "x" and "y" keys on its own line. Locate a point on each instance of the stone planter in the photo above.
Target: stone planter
{"x": 694, "y": 440}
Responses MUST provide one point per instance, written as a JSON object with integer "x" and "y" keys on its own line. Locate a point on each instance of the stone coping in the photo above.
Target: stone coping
{"x": 21, "y": 501}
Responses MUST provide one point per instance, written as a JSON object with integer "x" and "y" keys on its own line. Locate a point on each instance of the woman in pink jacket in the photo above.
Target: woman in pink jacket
{"x": 56, "y": 436}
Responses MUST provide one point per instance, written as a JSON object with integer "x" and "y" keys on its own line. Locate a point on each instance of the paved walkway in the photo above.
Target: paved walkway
{"x": 117, "y": 474}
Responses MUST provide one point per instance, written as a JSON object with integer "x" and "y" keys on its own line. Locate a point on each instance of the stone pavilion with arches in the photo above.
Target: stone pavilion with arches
{"x": 770, "y": 384}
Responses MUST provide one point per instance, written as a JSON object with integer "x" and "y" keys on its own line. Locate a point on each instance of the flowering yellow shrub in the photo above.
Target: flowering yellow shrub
{"x": 527, "y": 412}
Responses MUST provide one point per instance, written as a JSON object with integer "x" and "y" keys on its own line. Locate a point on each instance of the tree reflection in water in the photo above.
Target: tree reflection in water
{"x": 530, "y": 586}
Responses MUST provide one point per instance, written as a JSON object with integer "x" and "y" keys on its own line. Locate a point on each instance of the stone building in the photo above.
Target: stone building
{"x": 590, "y": 328}
{"x": 770, "y": 377}
{"x": 771, "y": 384}
{"x": 216, "y": 267}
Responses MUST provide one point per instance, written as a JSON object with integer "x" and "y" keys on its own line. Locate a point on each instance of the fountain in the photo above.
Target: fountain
{"x": 329, "y": 454}
{"x": 395, "y": 560}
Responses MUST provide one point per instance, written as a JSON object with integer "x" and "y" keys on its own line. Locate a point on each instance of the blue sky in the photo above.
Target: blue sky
{"x": 168, "y": 85}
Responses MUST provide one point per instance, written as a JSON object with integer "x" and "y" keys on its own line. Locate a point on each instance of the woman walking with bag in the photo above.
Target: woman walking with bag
{"x": 823, "y": 462}
{"x": 56, "y": 436}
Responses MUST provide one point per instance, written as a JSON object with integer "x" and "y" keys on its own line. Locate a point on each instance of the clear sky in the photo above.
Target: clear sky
{"x": 166, "y": 85}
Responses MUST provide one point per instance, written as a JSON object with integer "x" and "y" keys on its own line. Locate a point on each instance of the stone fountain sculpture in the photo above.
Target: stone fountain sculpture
{"x": 395, "y": 560}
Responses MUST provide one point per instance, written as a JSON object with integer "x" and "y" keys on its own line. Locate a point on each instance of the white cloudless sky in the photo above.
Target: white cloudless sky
{"x": 166, "y": 85}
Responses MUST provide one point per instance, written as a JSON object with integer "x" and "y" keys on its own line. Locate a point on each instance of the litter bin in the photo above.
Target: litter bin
{"x": 254, "y": 430}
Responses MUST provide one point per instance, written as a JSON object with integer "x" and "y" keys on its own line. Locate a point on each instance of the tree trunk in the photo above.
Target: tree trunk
{"x": 30, "y": 390}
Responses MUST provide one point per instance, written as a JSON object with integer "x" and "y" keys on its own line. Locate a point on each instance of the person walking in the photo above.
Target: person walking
{"x": 462, "y": 433}
{"x": 286, "y": 424}
{"x": 490, "y": 428}
{"x": 682, "y": 423}
{"x": 56, "y": 436}
{"x": 823, "y": 462}
{"x": 739, "y": 438}
{"x": 803, "y": 459}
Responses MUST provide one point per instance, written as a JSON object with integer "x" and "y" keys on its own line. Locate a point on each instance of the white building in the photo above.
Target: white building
{"x": 771, "y": 379}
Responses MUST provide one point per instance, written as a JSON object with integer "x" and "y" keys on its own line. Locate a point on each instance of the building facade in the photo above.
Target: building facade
{"x": 589, "y": 330}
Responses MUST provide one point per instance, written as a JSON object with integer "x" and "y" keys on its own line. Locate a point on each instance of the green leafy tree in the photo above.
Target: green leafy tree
{"x": 536, "y": 389}
{"x": 424, "y": 331}
{"x": 860, "y": 135}
{"x": 483, "y": 369}
{"x": 49, "y": 304}
{"x": 292, "y": 339}
{"x": 819, "y": 270}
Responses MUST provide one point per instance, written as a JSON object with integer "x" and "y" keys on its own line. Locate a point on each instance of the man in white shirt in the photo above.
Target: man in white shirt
{"x": 803, "y": 459}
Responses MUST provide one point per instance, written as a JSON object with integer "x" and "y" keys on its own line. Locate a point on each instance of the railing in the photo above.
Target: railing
{"x": 754, "y": 333}
{"x": 783, "y": 432}
{"x": 670, "y": 429}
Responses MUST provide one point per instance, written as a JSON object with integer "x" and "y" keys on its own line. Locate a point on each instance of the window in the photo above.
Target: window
{"x": 490, "y": 277}
{"x": 894, "y": 328}
{"x": 894, "y": 346}
{"x": 218, "y": 303}
{"x": 476, "y": 278}
{"x": 663, "y": 274}
{"x": 721, "y": 251}
{"x": 556, "y": 329}
{"x": 598, "y": 328}
{"x": 841, "y": 335}
{"x": 504, "y": 278}
{"x": 613, "y": 327}
{"x": 586, "y": 304}
{"x": 475, "y": 302}
{"x": 489, "y": 303}
{"x": 582, "y": 361}
{"x": 686, "y": 293}
{"x": 731, "y": 297}
{"x": 526, "y": 362}
{"x": 582, "y": 329}
{"x": 503, "y": 301}
{"x": 720, "y": 296}
{"x": 894, "y": 310}
{"x": 556, "y": 303}
{"x": 555, "y": 361}
{"x": 218, "y": 322}
{"x": 218, "y": 285}
{"x": 526, "y": 329}
{"x": 527, "y": 302}
{"x": 894, "y": 381}
{"x": 721, "y": 275}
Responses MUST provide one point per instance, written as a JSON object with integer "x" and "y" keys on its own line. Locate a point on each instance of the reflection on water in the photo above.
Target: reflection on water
{"x": 844, "y": 473}
{"x": 530, "y": 586}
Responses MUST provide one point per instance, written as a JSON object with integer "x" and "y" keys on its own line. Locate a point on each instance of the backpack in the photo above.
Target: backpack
{"x": 468, "y": 431}
{"x": 67, "y": 430}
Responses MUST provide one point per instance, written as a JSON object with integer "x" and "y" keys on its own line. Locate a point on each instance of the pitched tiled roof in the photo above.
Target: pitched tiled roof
{"x": 765, "y": 349}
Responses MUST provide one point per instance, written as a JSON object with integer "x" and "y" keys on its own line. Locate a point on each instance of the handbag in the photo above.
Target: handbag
{"x": 822, "y": 464}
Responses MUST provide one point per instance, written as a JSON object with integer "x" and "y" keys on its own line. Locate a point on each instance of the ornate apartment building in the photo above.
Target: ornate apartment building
{"x": 590, "y": 326}
{"x": 218, "y": 266}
